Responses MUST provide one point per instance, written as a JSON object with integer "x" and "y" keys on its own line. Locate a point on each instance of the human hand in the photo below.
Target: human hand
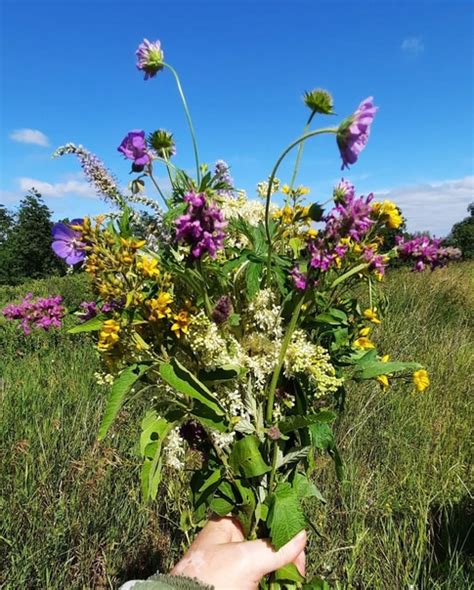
{"x": 220, "y": 557}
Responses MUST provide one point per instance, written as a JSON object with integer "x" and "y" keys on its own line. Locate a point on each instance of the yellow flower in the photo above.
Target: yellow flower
{"x": 364, "y": 342}
{"x": 160, "y": 306}
{"x": 357, "y": 249}
{"x": 390, "y": 212}
{"x": 383, "y": 380}
{"x": 149, "y": 267}
{"x": 421, "y": 379}
{"x": 181, "y": 323}
{"x": 371, "y": 315}
{"x": 109, "y": 335}
{"x": 312, "y": 233}
{"x": 303, "y": 190}
{"x": 364, "y": 331}
{"x": 285, "y": 189}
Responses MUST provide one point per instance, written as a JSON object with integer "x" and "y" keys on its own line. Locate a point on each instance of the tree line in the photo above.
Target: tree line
{"x": 25, "y": 240}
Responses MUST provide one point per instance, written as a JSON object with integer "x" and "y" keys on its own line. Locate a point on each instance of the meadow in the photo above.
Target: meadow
{"x": 72, "y": 515}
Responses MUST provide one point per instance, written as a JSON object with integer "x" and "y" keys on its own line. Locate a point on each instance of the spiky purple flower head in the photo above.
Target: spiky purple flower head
{"x": 150, "y": 58}
{"x": 350, "y": 217}
{"x": 67, "y": 242}
{"x": 201, "y": 226}
{"x": 353, "y": 132}
{"x": 424, "y": 251}
{"x": 222, "y": 310}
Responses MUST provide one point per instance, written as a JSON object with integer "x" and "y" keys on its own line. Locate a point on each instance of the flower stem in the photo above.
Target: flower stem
{"x": 300, "y": 152}
{"x": 188, "y": 117}
{"x": 157, "y": 186}
{"x": 270, "y": 183}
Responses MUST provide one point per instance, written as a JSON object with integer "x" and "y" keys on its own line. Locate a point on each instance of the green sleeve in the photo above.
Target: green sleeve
{"x": 166, "y": 582}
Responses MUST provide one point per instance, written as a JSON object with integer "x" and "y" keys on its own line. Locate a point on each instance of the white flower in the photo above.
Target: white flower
{"x": 174, "y": 450}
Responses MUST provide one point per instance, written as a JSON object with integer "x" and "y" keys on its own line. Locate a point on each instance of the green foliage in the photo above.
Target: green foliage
{"x": 285, "y": 517}
{"x": 25, "y": 242}
{"x": 246, "y": 458}
{"x": 462, "y": 234}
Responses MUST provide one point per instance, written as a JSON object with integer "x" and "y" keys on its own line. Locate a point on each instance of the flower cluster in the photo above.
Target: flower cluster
{"x": 202, "y": 226}
{"x": 44, "y": 313}
{"x": 425, "y": 252}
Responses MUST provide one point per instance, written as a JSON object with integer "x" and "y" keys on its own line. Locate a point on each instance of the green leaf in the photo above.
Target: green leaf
{"x": 253, "y": 276}
{"x": 122, "y": 385}
{"x": 92, "y": 325}
{"x": 176, "y": 375}
{"x": 296, "y": 422}
{"x": 294, "y": 456}
{"x": 289, "y": 573}
{"x": 246, "y": 506}
{"x": 370, "y": 370}
{"x": 305, "y": 488}
{"x": 246, "y": 459}
{"x": 154, "y": 431}
{"x": 285, "y": 518}
{"x": 221, "y": 374}
{"x": 332, "y": 316}
{"x": 321, "y": 435}
{"x": 221, "y": 506}
{"x": 316, "y": 584}
{"x": 153, "y": 428}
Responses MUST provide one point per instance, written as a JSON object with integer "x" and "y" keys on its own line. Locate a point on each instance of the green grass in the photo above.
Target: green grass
{"x": 71, "y": 510}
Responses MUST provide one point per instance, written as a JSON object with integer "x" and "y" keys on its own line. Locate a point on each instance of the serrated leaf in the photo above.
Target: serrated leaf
{"x": 252, "y": 277}
{"x": 221, "y": 374}
{"x": 245, "y": 458}
{"x": 321, "y": 435}
{"x": 285, "y": 518}
{"x": 293, "y": 456}
{"x": 121, "y": 386}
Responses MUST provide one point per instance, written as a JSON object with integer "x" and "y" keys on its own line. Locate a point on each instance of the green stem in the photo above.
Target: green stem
{"x": 300, "y": 152}
{"x": 270, "y": 183}
{"x": 205, "y": 294}
{"x": 150, "y": 174}
{"x": 188, "y": 117}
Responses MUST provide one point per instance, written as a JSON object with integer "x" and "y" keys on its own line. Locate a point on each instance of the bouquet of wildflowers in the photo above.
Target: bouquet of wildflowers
{"x": 238, "y": 320}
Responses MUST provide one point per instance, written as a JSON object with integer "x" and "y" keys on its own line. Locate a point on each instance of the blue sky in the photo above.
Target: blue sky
{"x": 68, "y": 74}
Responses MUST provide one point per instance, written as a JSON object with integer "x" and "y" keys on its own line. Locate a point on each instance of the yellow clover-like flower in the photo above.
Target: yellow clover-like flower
{"x": 421, "y": 379}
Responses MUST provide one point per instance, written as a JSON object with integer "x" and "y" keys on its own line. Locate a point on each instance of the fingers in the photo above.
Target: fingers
{"x": 263, "y": 558}
{"x": 300, "y": 563}
{"x": 220, "y": 530}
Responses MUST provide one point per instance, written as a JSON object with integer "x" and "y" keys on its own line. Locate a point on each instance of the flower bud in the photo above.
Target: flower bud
{"x": 319, "y": 101}
{"x": 163, "y": 143}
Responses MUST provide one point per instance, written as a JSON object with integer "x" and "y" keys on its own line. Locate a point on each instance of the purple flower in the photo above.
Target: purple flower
{"x": 353, "y": 133}
{"x": 349, "y": 218}
{"x": 299, "y": 279}
{"x": 133, "y": 147}
{"x": 425, "y": 251}
{"x": 201, "y": 226}
{"x": 150, "y": 58}
{"x": 344, "y": 190}
{"x": 43, "y": 313}
{"x": 88, "y": 310}
{"x": 67, "y": 242}
{"x": 112, "y": 305}
{"x": 221, "y": 171}
{"x": 222, "y": 310}
{"x": 377, "y": 262}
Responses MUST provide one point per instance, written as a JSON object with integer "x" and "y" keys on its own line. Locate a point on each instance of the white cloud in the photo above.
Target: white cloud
{"x": 30, "y": 136}
{"x": 57, "y": 190}
{"x": 413, "y": 46}
{"x": 433, "y": 206}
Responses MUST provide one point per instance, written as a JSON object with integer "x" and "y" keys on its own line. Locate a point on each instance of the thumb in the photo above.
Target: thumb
{"x": 266, "y": 559}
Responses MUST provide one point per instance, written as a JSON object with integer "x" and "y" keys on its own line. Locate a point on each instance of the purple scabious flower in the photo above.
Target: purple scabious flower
{"x": 150, "y": 58}
{"x": 44, "y": 313}
{"x": 67, "y": 242}
{"x": 424, "y": 252}
{"x": 201, "y": 226}
{"x": 222, "y": 310}
{"x": 353, "y": 133}
{"x": 350, "y": 218}
{"x": 134, "y": 147}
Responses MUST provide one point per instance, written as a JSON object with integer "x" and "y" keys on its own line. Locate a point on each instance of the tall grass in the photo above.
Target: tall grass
{"x": 71, "y": 510}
